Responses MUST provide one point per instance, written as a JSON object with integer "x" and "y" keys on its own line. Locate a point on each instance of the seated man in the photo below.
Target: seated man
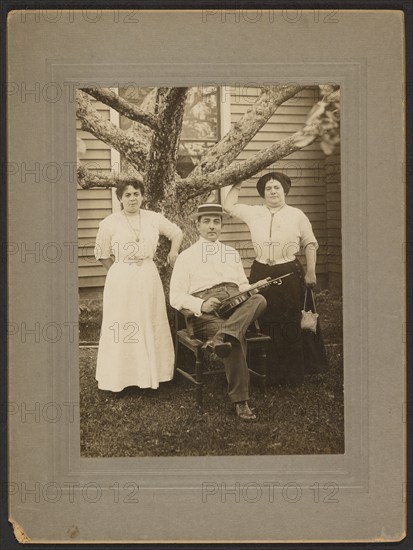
{"x": 203, "y": 275}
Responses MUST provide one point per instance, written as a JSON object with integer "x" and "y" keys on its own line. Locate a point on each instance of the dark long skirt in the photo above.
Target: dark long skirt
{"x": 293, "y": 352}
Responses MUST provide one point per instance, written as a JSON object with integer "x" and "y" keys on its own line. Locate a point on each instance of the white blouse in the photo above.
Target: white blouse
{"x": 276, "y": 237}
{"x": 121, "y": 237}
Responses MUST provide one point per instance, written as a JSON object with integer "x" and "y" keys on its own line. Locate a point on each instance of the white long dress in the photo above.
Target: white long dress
{"x": 135, "y": 347}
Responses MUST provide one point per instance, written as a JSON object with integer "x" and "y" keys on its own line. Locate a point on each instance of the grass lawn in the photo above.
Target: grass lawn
{"x": 166, "y": 422}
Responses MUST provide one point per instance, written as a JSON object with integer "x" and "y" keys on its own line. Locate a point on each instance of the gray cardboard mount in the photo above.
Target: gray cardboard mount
{"x": 57, "y": 496}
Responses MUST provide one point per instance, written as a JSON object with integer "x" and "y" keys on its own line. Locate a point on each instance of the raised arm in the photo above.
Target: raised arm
{"x": 232, "y": 197}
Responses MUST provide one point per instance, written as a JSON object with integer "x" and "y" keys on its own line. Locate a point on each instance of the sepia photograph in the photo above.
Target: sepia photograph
{"x": 206, "y": 289}
{"x": 210, "y": 290}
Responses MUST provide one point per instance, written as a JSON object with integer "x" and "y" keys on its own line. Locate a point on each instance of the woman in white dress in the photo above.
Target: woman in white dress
{"x": 135, "y": 347}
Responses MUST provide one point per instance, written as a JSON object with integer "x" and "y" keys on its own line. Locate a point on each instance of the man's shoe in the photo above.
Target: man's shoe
{"x": 220, "y": 348}
{"x": 244, "y": 412}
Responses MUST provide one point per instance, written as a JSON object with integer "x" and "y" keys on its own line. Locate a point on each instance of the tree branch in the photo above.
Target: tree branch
{"x": 110, "y": 98}
{"x": 240, "y": 171}
{"x": 320, "y": 123}
{"x": 229, "y": 147}
{"x": 87, "y": 179}
{"x": 134, "y": 148}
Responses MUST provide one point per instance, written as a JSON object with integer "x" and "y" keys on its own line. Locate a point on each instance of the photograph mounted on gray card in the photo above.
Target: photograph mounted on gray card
{"x": 210, "y": 292}
{"x": 206, "y": 217}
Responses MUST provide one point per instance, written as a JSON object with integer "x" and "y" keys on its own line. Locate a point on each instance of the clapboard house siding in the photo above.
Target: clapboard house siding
{"x": 306, "y": 169}
{"x": 93, "y": 204}
{"x": 333, "y": 218}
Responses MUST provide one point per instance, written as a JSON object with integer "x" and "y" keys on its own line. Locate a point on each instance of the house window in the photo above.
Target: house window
{"x": 200, "y": 129}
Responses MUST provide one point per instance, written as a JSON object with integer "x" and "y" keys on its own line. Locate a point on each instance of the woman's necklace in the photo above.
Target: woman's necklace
{"x": 136, "y": 231}
{"x": 272, "y": 216}
{"x": 275, "y": 210}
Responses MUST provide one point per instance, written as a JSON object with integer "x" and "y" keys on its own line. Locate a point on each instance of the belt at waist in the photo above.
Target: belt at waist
{"x": 220, "y": 286}
{"x": 130, "y": 260}
{"x": 274, "y": 262}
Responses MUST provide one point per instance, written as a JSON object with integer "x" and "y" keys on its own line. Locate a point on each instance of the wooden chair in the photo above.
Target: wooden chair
{"x": 257, "y": 344}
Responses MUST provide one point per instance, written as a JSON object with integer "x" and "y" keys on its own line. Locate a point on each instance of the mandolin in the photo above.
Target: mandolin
{"x": 229, "y": 304}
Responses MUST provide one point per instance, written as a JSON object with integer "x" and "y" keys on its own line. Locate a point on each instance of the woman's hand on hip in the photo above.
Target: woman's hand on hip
{"x": 171, "y": 258}
{"x": 310, "y": 279}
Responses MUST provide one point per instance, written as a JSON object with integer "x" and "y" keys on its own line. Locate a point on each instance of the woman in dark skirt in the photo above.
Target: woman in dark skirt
{"x": 278, "y": 232}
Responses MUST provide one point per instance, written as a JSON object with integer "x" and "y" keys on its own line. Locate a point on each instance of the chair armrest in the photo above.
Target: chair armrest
{"x": 255, "y": 328}
{"x": 188, "y": 315}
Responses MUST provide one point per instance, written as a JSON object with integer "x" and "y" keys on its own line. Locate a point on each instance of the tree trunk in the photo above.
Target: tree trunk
{"x": 161, "y": 174}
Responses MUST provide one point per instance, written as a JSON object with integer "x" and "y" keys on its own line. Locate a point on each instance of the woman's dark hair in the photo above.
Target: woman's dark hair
{"x": 136, "y": 184}
{"x": 282, "y": 178}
